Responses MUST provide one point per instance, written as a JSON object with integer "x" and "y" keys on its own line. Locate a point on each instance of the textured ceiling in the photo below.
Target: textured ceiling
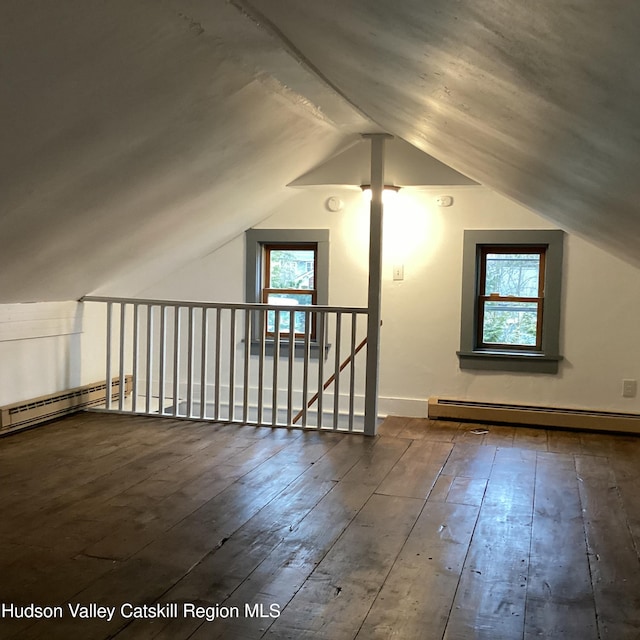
{"x": 138, "y": 134}
{"x": 538, "y": 100}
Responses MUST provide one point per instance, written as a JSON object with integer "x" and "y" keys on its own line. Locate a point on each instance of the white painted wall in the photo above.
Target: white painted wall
{"x": 39, "y": 349}
{"x": 601, "y": 298}
{"x": 47, "y": 347}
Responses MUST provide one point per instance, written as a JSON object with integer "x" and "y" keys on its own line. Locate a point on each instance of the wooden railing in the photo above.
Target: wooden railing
{"x": 238, "y": 363}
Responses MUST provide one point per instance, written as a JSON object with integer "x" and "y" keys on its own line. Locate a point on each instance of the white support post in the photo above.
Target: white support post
{"x": 374, "y": 300}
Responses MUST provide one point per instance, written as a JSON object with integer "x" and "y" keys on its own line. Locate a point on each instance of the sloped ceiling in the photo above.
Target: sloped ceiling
{"x": 137, "y": 134}
{"x": 538, "y": 100}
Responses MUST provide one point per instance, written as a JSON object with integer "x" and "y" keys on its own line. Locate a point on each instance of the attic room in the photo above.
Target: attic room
{"x": 388, "y": 469}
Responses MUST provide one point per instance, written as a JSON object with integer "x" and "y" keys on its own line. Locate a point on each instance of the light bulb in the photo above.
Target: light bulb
{"x": 389, "y": 193}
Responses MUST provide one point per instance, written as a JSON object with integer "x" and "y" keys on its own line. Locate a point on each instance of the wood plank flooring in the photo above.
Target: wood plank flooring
{"x": 430, "y": 531}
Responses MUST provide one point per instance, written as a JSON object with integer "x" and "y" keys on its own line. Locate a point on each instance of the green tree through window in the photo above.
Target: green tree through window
{"x": 290, "y": 279}
{"x": 510, "y": 301}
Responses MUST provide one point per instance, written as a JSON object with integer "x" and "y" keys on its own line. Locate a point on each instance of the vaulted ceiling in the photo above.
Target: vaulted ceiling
{"x": 137, "y": 134}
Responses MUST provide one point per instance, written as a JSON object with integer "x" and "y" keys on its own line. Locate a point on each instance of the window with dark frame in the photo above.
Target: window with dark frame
{"x": 289, "y": 277}
{"x": 510, "y": 297}
{"x": 511, "y": 300}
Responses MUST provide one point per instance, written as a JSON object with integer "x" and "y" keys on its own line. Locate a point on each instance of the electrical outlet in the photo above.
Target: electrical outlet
{"x": 629, "y": 388}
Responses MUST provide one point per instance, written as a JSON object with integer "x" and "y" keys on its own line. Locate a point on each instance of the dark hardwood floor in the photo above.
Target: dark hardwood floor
{"x": 429, "y": 531}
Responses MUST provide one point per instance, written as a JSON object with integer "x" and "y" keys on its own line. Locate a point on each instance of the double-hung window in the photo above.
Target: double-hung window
{"x": 511, "y": 297}
{"x": 287, "y": 267}
{"x": 511, "y": 300}
{"x": 289, "y": 278}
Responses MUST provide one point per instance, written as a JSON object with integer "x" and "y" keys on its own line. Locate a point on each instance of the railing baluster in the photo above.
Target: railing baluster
{"x": 176, "y": 359}
{"x": 292, "y": 344}
{"x": 276, "y": 362}
{"x": 320, "y": 338}
{"x": 190, "y": 331}
{"x": 336, "y": 381}
{"x": 263, "y": 329}
{"x": 162, "y": 360}
{"x": 107, "y": 403}
{"x": 123, "y": 332}
{"x": 305, "y": 365}
{"x": 134, "y": 369}
{"x": 216, "y": 398}
{"x": 232, "y": 365}
{"x": 352, "y": 372}
{"x": 204, "y": 362}
{"x": 149, "y": 358}
{"x": 247, "y": 363}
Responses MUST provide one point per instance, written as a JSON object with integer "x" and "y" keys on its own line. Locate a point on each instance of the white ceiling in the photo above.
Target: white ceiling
{"x": 139, "y": 134}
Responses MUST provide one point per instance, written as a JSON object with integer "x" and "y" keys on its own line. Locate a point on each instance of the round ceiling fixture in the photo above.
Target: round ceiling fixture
{"x": 334, "y": 204}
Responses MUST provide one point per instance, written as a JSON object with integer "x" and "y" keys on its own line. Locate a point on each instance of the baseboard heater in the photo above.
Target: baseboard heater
{"x": 495, "y": 413}
{"x": 23, "y": 415}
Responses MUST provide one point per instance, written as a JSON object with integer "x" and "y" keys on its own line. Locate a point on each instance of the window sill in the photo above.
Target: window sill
{"x": 298, "y": 348}
{"x": 524, "y": 361}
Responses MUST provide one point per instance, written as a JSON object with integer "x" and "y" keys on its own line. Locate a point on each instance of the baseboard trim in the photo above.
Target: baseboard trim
{"x": 488, "y": 412}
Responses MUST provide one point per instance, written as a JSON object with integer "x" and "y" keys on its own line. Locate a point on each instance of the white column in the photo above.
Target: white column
{"x": 374, "y": 302}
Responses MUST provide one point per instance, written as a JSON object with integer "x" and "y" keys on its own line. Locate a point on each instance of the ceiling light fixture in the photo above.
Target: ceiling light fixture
{"x": 388, "y": 193}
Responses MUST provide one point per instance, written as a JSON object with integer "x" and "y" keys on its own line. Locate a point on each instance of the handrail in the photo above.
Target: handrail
{"x": 224, "y": 305}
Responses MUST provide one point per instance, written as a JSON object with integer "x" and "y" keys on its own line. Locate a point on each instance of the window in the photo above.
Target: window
{"x": 288, "y": 265}
{"x": 511, "y": 301}
{"x": 510, "y": 297}
{"x": 289, "y": 277}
